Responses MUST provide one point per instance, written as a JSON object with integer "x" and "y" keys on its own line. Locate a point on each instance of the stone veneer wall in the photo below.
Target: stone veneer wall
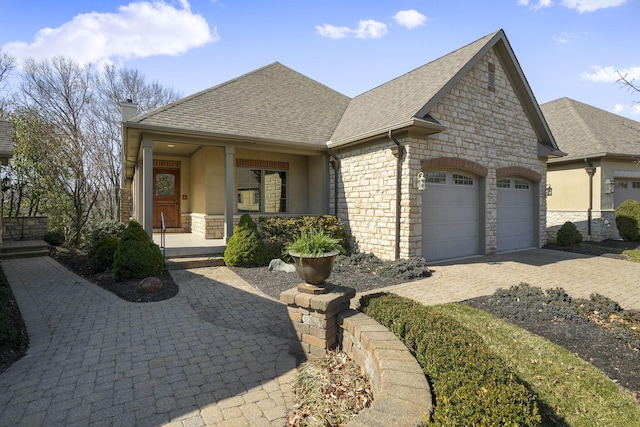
{"x": 24, "y": 228}
{"x": 126, "y": 204}
{"x": 603, "y": 223}
{"x": 207, "y": 226}
{"x": 487, "y": 127}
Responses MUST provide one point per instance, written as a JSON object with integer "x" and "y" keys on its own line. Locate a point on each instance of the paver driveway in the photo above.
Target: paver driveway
{"x": 214, "y": 354}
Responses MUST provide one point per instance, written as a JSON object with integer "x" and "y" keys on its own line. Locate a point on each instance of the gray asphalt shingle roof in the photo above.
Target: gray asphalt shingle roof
{"x": 399, "y": 100}
{"x": 582, "y": 130}
{"x": 273, "y": 102}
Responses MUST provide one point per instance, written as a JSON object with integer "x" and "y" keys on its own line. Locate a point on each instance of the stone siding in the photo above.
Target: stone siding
{"x": 603, "y": 223}
{"x": 207, "y": 226}
{"x": 24, "y": 228}
{"x": 486, "y": 128}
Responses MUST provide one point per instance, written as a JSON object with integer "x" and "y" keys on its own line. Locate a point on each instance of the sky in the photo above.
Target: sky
{"x": 566, "y": 48}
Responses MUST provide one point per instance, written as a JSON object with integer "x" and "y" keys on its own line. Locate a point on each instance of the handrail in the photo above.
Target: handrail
{"x": 163, "y": 230}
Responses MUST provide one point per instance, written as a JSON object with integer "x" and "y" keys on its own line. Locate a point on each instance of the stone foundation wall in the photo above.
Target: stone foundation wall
{"x": 207, "y": 226}
{"x": 603, "y": 223}
{"x": 24, "y": 228}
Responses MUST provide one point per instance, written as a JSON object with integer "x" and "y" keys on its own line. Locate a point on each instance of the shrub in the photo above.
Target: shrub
{"x": 105, "y": 228}
{"x": 54, "y": 238}
{"x": 472, "y": 386}
{"x": 628, "y": 220}
{"x": 314, "y": 242}
{"x": 568, "y": 235}
{"x": 102, "y": 253}
{"x": 245, "y": 247}
{"x": 280, "y": 232}
{"x": 137, "y": 256}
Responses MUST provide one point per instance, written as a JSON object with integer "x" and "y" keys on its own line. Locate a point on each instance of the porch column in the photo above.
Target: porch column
{"x": 147, "y": 185}
{"x": 228, "y": 192}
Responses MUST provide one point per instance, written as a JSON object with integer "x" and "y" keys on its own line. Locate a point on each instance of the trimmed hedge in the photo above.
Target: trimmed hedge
{"x": 137, "y": 257}
{"x": 568, "y": 235}
{"x": 472, "y": 386}
{"x": 628, "y": 220}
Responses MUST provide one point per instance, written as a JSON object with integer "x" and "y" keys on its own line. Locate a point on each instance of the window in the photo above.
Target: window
{"x": 165, "y": 184}
{"x": 261, "y": 190}
{"x": 462, "y": 179}
{"x": 521, "y": 185}
{"x": 635, "y": 184}
{"x": 621, "y": 184}
{"x": 504, "y": 183}
{"x": 435, "y": 177}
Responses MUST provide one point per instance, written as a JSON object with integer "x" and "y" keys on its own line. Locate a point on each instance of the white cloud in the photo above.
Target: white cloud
{"x": 370, "y": 29}
{"x": 367, "y": 29}
{"x": 137, "y": 30}
{"x": 564, "y": 38}
{"x": 579, "y": 5}
{"x": 410, "y": 18}
{"x": 610, "y": 74}
{"x": 592, "y": 5}
{"x": 627, "y": 110}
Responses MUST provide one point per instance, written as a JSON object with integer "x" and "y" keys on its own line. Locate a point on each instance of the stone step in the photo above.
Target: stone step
{"x": 193, "y": 262}
{"x": 25, "y": 253}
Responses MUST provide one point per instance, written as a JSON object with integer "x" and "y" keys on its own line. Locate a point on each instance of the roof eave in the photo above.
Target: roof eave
{"x": 571, "y": 158}
{"x": 426, "y": 126}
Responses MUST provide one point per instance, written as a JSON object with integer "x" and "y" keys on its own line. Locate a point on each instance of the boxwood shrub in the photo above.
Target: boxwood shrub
{"x": 102, "y": 253}
{"x": 628, "y": 220}
{"x": 245, "y": 247}
{"x": 472, "y": 386}
{"x": 137, "y": 257}
{"x": 568, "y": 235}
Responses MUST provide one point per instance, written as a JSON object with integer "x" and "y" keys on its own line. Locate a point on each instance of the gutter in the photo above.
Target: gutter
{"x": 335, "y": 164}
{"x": 398, "y": 152}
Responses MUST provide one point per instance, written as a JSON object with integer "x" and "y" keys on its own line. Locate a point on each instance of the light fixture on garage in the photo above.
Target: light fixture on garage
{"x": 609, "y": 186}
{"x": 549, "y": 190}
{"x": 420, "y": 181}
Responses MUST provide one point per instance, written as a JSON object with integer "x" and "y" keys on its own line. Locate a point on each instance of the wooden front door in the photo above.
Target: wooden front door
{"x": 166, "y": 197}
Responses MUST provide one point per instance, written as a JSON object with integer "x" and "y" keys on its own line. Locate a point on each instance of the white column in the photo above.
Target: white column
{"x": 147, "y": 185}
{"x": 229, "y": 191}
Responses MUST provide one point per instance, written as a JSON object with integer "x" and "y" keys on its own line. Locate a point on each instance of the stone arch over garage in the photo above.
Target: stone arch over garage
{"x": 518, "y": 171}
{"x": 455, "y": 163}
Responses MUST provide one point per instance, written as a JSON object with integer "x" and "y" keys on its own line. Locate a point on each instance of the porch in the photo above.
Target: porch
{"x": 187, "y": 250}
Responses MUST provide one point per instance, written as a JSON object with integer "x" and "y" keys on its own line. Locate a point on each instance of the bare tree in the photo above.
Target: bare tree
{"x": 7, "y": 65}
{"x": 628, "y": 82}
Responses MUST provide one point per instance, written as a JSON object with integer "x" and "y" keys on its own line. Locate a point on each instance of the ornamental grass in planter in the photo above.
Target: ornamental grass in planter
{"x": 314, "y": 253}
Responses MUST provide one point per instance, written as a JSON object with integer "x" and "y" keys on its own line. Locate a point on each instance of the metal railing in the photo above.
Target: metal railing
{"x": 163, "y": 231}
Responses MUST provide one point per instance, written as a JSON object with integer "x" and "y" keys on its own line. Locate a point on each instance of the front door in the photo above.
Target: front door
{"x": 166, "y": 197}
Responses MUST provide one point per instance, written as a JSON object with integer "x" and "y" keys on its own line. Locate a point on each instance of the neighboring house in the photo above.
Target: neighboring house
{"x": 599, "y": 143}
{"x": 6, "y": 152}
{"x": 446, "y": 161}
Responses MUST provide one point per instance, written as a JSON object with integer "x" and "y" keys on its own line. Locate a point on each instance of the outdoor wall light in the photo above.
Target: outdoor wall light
{"x": 549, "y": 190}
{"x": 6, "y": 184}
{"x": 420, "y": 181}
{"x": 609, "y": 186}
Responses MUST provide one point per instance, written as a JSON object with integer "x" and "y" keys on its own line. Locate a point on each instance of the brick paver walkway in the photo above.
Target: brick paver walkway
{"x": 579, "y": 275}
{"x": 216, "y": 354}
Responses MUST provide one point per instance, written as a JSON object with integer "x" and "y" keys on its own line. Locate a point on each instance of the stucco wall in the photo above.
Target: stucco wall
{"x": 489, "y": 128}
{"x": 570, "y": 184}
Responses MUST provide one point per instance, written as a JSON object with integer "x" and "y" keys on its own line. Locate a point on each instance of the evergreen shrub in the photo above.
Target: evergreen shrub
{"x": 628, "y": 220}
{"x": 472, "y": 386}
{"x": 137, "y": 257}
{"x": 568, "y": 235}
{"x": 54, "y": 238}
{"x": 245, "y": 247}
{"x": 102, "y": 254}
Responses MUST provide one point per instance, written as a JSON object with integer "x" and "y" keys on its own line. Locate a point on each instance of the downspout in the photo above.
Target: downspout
{"x": 335, "y": 164}
{"x": 398, "y": 152}
{"x": 590, "y": 171}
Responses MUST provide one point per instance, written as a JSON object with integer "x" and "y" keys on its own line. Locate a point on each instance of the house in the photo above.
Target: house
{"x": 601, "y": 169}
{"x": 6, "y": 152}
{"x": 446, "y": 161}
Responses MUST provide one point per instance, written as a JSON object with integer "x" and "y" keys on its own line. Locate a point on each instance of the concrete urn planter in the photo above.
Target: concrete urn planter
{"x": 314, "y": 270}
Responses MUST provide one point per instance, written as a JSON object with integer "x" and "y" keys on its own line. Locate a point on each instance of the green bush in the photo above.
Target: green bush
{"x": 54, "y": 238}
{"x": 102, "y": 253}
{"x": 280, "y": 232}
{"x": 568, "y": 235}
{"x": 105, "y": 228}
{"x": 137, "y": 256}
{"x": 472, "y": 386}
{"x": 628, "y": 220}
{"x": 245, "y": 247}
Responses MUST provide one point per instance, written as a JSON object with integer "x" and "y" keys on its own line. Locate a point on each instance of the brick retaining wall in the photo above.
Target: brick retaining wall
{"x": 24, "y": 228}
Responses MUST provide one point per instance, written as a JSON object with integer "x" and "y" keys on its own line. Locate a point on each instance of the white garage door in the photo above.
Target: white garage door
{"x": 450, "y": 216}
{"x": 626, "y": 189}
{"x": 515, "y": 215}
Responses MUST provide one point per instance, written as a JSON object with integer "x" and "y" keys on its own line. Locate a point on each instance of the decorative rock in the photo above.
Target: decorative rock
{"x": 150, "y": 285}
{"x": 279, "y": 265}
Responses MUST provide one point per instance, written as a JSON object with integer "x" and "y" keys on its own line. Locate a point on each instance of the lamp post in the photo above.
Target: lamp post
{"x": 590, "y": 171}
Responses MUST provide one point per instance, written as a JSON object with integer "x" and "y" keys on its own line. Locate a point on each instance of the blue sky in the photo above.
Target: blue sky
{"x": 569, "y": 48}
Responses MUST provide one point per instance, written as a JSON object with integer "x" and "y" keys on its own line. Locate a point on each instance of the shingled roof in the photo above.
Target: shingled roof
{"x": 584, "y": 131}
{"x": 272, "y": 103}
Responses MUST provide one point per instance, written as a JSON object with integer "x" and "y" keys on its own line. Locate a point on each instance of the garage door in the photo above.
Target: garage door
{"x": 626, "y": 189}
{"x": 450, "y": 216}
{"x": 516, "y": 221}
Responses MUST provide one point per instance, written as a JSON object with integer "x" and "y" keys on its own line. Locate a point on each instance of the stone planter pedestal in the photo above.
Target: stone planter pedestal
{"x": 314, "y": 318}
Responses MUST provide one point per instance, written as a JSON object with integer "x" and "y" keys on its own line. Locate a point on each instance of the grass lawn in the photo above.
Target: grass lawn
{"x": 569, "y": 387}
